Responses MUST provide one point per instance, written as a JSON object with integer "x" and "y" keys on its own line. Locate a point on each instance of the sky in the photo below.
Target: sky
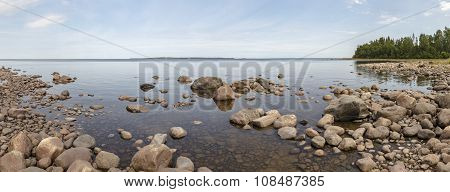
{"x": 112, "y": 29}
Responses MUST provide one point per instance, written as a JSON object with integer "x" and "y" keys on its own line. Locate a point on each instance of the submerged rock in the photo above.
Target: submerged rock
{"x": 348, "y": 108}
{"x": 287, "y": 133}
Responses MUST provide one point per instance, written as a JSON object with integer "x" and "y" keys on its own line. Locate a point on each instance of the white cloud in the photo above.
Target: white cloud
{"x": 8, "y": 9}
{"x": 44, "y": 22}
{"x": 387, "y": 19}
{"x": 428, "y": 13}
{"x": 445, "y": 6}
{"x": 358, "y": 2}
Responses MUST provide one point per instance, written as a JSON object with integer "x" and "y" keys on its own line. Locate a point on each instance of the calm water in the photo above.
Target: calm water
{"x": 215, "y": 143}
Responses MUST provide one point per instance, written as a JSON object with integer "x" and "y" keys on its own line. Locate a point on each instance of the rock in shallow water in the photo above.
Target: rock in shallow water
{"x": 50, "y": 147}
{"x": 137, "y": 109}
{"x": 177, "y": 132}
{"x": 287, "y": 133}
{"x": 348, "y": 108}
{"x": 85, "y": 140}
{"x": 151, "y": 158}
{"x": 69, "y": 156}
{"x": 106, "y": 160}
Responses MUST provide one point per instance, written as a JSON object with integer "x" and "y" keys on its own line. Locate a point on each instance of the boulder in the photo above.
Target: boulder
{"x": 406, "y": 101}
{"x": 424, "y": 108}
{"x": 444, "y": 118}
{"x": 310, "y": 132}
{"x": 204, "y": 83}
{"x": 159, "y": 139}
{"x": 382, "y": 122}
{"x": 443, "y": 100}
{"x": 71, "y": 155}
{"x": 285, "y": 121}
{"x": 224, "y": 93}
{"x": 146, "y": 87}
{"x": 348, "y": 108}
{"x": 431, "y": 159}
{"x": 266, "y": 121}
{"x": 17, "y": 113}
{"x": 245, "y": 116}
{"x": 151, "y": 158}
{"x": 106, "y": 160}
{"x": 327, "y": 119}
{"x": 394, "y": 113}
{"x": 184, "y": 79}
{"x": 445, "y": 133}
{"x": 127, "y": 98}
{"x": 50, "y": 147}
{"x": 21, "y": 143}
{"x": 85, "y": 140}
{"x": 137, "y": 109}
{"x": 358, "y": 133}
{"x": 347, "y": 144}
{"x": 334, "y": 130}
{"x": 398, "y": 167}
{"x": 318, "y": 142}
{"x": 126, "y": 135}
{"x": 177, "y": 132}
{"x": 185, "y": 164}
{"x": 12, "y": 161}
{"x": 287, "y": 133}
{"x": 377, "y": 133}
{"x": 332, "y": 139}
{"x": 411, "y": 131}
{"x": 204, "y": 169}
{"x": 32, "y": 169}
{"x": 366, "y": 164}
{"x": 425, "y": 134}
{"x": 81, "y": 166}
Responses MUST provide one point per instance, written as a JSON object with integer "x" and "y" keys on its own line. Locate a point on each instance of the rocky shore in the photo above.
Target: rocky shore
{"x": 398, "y": 130}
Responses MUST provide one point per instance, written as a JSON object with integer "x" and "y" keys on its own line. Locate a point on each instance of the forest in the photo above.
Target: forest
{"x": 424, "y": 46}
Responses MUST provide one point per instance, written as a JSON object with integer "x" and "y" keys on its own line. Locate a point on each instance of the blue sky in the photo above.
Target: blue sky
{"x": 204, "y": 28}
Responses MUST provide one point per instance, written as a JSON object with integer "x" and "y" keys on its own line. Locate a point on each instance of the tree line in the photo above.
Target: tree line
{"x": 424, "y": 46}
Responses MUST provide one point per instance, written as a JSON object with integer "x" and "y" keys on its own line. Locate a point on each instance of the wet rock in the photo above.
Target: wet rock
{"x": 106, "y": 160}
{"x": 406, "y": 101}
{"x": 347, "y": 144}
{"x": 245, "y": 116}
{"x": 151, "y": 158}
{"x": 12, "y": 161}
{"x": 332, "y": 139}
{"x": 310, "y": 132}
{"x": 126, "y": 135}
{"x": 224, "y": 93}
{"x": 127, "y": 98}
{"x": 159, "y": 139}
{"x": 287, "y": 133}
{"x": 425, "y": 134}
{"x": 184, "y": 79}
{"x": 411, "y": 131}
{"x": 319, "y": 153}
{"x": 267, "y": 120}
{"x": 424, "y": 108}
{"x": 177, "y": 132}
{"x": 80, "y": 166}
{"x": 185, "y": 164}
{"x": 285, "y": 121}
{"x": 444, "y": 118}
{"x": 137, "y": 109}
{"x": 21, "y": 143}
{"x": 204, "y": 83}
{"x": 146, "y": 87}
{"x": 348, "y": 108}
{"x": 85, "y": 140}
{"x": 97, "y": 107}
{"x": 71, "y": 155}
{"x": 366, "y": 164}
{"x": 50, "y": 147}
{"x": 318, "y": 142}
{"x": 327, "y": 119}
{"x": 394, "y": 113}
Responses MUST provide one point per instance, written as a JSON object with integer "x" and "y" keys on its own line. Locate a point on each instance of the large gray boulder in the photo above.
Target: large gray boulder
{"x": 151, "y": 158}
{"x": 81, "y": 166}
{"x": 394, "y": 113}
{"x": 85, "y": 140}
{"x": 285, "y": 121}
{"x": 224, "y": 93}
{"x": 444, "y": 118}
{"x": 424, "y": 108}
{"x": 406, "y": 101}
{"x": 348, "y": 108}
{"x": 205, "y": 83}
{"x": 184, "y": 163}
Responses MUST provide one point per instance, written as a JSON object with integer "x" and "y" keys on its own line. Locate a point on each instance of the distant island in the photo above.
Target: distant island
{"x": 424, "y": 46}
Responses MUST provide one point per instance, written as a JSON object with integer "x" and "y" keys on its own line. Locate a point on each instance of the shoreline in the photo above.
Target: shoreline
{"x": 326, "y": 134}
